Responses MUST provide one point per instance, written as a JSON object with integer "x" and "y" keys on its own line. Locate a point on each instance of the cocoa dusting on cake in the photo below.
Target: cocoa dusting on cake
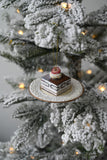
{"x": 56, "y": 81}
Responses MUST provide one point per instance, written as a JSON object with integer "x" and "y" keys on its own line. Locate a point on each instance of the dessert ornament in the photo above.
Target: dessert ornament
{"x": 56, "y": 87}
{"x": 56, "y": 82}
{"x": 49, "y": 90}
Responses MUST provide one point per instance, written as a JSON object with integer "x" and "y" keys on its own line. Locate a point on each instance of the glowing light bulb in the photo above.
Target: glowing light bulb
{"x": 84, "y": 32}
{"x": 32, "y": 157}
{"x": 10, "y": 42}
{"x": 89, "y": 71}
{"x": 88, "y": 125}
{"x": 18, "y": 11}
{"x": 40, "y": 70}
{"x": 21, "y": 86}
{"x": 11, "y": 150}
{"x": 65, "y": 5}
{"x": 20, "y": 32}
{"x": 94, "y": 36}
{"x": 102, "y": 88}
{"x": 100, "y": 50}
{"x": 76, "y": 152}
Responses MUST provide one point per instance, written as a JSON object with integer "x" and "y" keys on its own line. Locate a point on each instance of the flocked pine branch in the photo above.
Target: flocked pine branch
{"x": 97, "y": 18}
{"x": 52, "y": 25}
{"x": 29, "y": 60}
{"x": 22, "y": 4}
{"x": 16, "y": 97}
{"x": 68, "y": 120}
{"x": 34, "y": 110}
{"x": 39, "y": 154}
{"x": 3, "y": 39}
{"x": 42, "y": 132}
{"x": 25, "y": 81}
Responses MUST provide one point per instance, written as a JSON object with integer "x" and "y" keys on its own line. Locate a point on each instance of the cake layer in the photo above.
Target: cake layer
{"x": 56, "y": 86}
{"x": 56, "y": 93}
{"x": 53, "y": 86}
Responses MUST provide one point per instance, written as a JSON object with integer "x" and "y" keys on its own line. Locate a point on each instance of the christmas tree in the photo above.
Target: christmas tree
{"x": 41, "y": 34}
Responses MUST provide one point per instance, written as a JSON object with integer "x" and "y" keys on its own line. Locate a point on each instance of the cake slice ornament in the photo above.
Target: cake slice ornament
{"x": 56, "y": 82}
{"x": 56, "y": 87}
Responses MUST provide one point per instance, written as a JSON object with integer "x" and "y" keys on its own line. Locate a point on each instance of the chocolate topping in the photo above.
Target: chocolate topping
{"x": 56, "y": 81}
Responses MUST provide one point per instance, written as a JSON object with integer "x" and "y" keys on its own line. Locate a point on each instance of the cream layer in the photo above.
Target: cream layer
{"x": 54, "y": 76}
{"x": 58, "y": 93}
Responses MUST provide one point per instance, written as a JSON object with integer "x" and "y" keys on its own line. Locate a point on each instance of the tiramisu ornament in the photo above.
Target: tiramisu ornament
{"x": 56, "y": 82}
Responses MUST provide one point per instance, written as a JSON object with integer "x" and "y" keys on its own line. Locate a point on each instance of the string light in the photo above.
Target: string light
{"x": 89, "y": 71}
{"x": 100, "y": 50}
{"x": 94, "y": 36}
{"x": 40, "y": 70}
{"x": 11, "y": 150}
{"x": 18, "y": 11}
{"x": 66, "y": 6}
{"x": 102, "y": 88}
{"x": 88, "y": 125}
{"x": 84, "y": 32}
{"x": 21, "y": 86}
{"x": 77, "y": 153}
{"x": 20, "y": 32}
{"x": 32, "y": 157}
{"x": 10, "y": 42}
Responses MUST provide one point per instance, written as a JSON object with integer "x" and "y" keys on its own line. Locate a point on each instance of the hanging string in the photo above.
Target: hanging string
{"x": 57, "y": 50}
{"x": 55, "y": 53}
{"x": 53, "y": 57}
